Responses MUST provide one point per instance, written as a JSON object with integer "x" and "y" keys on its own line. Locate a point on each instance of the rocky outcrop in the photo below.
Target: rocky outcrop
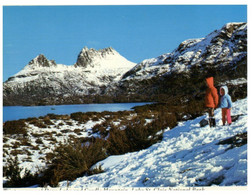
{"x": 88, "y": 56}
{"x": 41, "y": 60}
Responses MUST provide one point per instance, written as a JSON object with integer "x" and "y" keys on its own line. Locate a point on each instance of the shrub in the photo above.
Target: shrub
{"x": 15, "y": 127}
{"x": 16, "y": 152}
{"x": 138, "y": 134}
{"x": 118, "y": 142}
{"x": 13, "y": 173}
{"x": 34, "y": 147}
{"x": 72, "y": 160}
{"x": 5, "y": 139}
{"x": 12, "y": 170}
{"x": 16, "y": 144}
{"x": 39, "y": 141}
{"x": 66, "y": 131}
{"x": 99, "y": 128}
{"x": 69, "y": 123}
{"x": 47, "y": 121}
{"x": 26, "y": 142}
{"x": 95, "y": 118}
{"x": 38, "y": 123}
{"x": 80, "y": 116}
{"x": 53, "y": 116}
{"x": 77, "y": 131}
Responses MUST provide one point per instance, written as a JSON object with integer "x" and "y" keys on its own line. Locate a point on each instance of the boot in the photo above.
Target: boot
{"x": 214, "y": 122}
{"x": 210, "y": 122}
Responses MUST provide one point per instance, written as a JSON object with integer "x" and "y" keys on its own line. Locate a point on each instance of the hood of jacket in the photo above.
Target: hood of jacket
{"x": 210, "y": 82}
{"x": 225, "y": 89}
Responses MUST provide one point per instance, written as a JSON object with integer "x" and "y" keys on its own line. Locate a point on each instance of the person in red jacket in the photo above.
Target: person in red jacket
{"x": 211, "y": 100}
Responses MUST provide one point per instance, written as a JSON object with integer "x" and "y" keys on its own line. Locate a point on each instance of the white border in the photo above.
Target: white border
{"x": 217, "y": 190}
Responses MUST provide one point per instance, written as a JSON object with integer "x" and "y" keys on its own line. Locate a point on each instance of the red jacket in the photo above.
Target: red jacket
{"x": 212, "y": 98}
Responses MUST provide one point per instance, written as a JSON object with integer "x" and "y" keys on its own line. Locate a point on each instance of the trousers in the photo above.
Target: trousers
{"x": 212, "y": 122}
{"x": 226, "y": 116}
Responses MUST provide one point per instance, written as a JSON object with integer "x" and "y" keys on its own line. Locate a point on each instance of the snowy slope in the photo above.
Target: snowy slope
{"x": 188, "y": 155}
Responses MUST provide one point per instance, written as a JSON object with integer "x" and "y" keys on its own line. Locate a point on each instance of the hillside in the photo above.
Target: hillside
{"x": 222, "y": 54}
{"x": 187, "y": 156}
{"x": 131, "y": 149}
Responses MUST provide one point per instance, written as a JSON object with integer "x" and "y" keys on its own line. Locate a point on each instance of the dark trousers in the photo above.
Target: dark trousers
{"x": 210, "y": 112}
{"x": 212, "y": 122}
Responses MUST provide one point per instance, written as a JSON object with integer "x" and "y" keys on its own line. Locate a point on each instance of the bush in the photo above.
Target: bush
{"x": 137, "y": 134}
{"x": 72, "y": 160}
{"x": 39, "y": 141}
{"x": 13, "y": 173}
{"x": 38, "y": 123}
{"x": 15, "y": 127}
{"x": 118, "y": 142}
{"x": 79, "y": 116}
{"x": 101, "y": 129}
{"x": 47, "y": 121}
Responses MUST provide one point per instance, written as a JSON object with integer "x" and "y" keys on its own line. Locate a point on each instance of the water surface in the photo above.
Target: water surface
{"x": 23, "y": 112}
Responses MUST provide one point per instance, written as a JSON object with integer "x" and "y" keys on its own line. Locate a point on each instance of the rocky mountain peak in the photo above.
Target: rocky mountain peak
{"x": 229, "y": 28}
{"x": 41, "y": 60}
{"x": 87, "y": 56}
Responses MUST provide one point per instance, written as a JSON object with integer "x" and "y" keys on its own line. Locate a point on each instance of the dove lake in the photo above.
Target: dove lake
{"x": 23, "y": 112}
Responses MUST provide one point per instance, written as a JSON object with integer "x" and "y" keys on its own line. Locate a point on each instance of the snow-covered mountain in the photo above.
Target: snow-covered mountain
{"x": 220, "y": 48}
{"x": 44, "y": 79}
{"x": 188, "y": 156}
{"x": 105, "y": 73}
{"x": 222, "y": 54}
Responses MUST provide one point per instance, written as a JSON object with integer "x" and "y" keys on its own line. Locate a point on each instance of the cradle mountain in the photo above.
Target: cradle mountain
{"x": 105, "y": 76}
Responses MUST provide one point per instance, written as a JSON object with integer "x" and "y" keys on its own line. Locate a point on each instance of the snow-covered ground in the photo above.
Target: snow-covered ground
{"x": 187, "y": 156}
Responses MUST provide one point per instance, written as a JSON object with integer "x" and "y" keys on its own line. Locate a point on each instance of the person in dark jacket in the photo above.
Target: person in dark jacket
{"x": 225, "y": 105}
{"x": 211, "y": 100}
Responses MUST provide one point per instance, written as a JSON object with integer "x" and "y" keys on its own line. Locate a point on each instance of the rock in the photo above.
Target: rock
{"x": 235, "y": 117}
{"x": 41, "y": 60}
{"x": 203, "y": 123}
{"x": 87, "y": 56}
{"x": 236, "y": 141}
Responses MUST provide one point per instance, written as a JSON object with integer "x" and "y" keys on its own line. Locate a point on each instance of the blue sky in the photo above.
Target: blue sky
{"x": 136, "y": 32}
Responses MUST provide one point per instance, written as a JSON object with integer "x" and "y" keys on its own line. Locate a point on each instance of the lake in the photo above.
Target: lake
{"x": 23, "y": 112}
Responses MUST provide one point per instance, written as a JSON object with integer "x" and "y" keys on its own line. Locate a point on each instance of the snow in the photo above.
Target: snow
{"x": 103, "y": 69}
{"x": 37, "y": 161}
{"x": 239, "y": 81}
{"x": 188, "y": 155}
